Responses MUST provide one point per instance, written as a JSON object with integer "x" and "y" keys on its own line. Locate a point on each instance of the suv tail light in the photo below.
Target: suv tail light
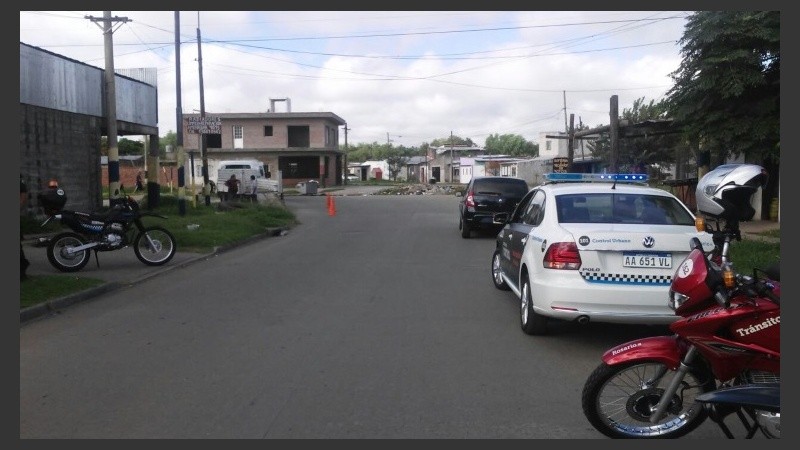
{"x": 470, "y": 201}
{"x": 562, "y": 255}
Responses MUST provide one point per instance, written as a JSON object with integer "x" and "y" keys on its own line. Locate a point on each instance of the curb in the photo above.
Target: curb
{"x": 53, "y": 306}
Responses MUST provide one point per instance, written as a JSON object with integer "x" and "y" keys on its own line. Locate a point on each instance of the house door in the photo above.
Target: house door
{"x": 436, "y": 174}
{"x": 238, "y": 136}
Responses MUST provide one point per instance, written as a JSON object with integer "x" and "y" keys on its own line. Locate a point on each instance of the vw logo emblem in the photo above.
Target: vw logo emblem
{"x": 648, "y": 242}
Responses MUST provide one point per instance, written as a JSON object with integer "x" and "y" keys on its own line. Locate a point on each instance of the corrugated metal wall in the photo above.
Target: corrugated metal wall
{"x": 52, "y": 81}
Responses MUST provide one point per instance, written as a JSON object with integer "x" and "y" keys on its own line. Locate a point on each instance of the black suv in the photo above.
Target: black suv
{"x": 486, "y": 196}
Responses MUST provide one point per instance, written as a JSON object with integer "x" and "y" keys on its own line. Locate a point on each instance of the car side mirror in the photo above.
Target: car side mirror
{"x": 500, "y": 218}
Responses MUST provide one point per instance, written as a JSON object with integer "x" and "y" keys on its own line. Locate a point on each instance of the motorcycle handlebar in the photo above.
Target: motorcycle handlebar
{"x": 754, "y": 287}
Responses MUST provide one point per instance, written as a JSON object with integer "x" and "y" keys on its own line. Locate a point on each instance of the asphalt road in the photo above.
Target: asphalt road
{"x": 377, "y": 322}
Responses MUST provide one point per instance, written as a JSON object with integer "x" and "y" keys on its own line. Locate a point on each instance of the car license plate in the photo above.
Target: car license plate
{"x": 647, "y": 260}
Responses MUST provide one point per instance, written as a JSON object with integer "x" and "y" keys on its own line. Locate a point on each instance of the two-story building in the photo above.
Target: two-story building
{"x": 302, "y": 145}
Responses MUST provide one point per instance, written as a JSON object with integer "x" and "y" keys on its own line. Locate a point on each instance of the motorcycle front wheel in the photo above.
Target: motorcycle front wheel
{"x": 618, "y": 400}
{"x": 58, "y": 252}
{"x": 154, "y": 246}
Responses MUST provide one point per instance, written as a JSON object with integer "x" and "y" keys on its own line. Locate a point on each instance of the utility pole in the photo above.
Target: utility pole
{"x": 111, "y": 104}
{"x": 614, "y": 129}
{"x": 565, "y": 113}
{"x": 451, "y": 156}
{"x": 388, "y": 140}
{"x": 203, "y": 152}
{"x": 571, "y": 141}
{"x": 346, "y": 149}
{"x": 179, "y": 121}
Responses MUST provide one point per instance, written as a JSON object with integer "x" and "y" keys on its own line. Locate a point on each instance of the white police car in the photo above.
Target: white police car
{"x": 599, "y": 247}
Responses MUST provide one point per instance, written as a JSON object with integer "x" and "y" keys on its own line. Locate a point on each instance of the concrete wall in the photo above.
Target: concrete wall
{"x": 64, "y": 146}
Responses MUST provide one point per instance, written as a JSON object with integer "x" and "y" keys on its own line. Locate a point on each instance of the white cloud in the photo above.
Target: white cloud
{"x": 323, "y": 62}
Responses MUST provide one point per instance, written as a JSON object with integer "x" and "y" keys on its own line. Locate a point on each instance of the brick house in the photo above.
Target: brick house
{"x": 302, "y": 145}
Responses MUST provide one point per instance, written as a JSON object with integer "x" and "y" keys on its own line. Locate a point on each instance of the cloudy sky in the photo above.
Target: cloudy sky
{"x": 406, "y": 76}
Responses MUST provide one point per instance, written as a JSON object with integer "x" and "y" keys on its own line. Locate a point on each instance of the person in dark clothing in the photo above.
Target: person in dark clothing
{"x": 233, "y": 187}
{"x": 139, "y": 183}
{"x": 23, "y": 200}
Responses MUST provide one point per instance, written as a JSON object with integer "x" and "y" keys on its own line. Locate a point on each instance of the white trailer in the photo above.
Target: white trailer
{"x": 243, "y": 169}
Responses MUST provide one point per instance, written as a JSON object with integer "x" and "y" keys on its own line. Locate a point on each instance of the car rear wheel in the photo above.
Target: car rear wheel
{"x": 497, "y": 273}
{"x": 466, "y": 232}
{"x": 532, "y": 323}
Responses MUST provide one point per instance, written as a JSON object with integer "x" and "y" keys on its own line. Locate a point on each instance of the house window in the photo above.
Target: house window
{"x": 547, "y": 145}
{"x": 238, "y": 136}
{"x": 299, "y": 136}
{"x": 267, "y": 130}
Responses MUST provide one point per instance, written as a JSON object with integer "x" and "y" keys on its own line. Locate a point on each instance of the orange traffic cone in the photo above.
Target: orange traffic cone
{"x": 331, "y": 206}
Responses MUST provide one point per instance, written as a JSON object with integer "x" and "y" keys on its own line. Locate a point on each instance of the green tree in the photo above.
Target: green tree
{"x": 454, "y": 140}
{"x": 171, "y": 138}
{"x": 130, "y": 147}
{"x": 510, "y": 144}
{"x": 726, "y": 95}
{"x": 395, "y": 161}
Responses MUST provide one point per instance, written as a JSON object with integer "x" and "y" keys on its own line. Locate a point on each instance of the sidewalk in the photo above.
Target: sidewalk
{"x": 751, "y": 229}
{"x": 117, "y": 269}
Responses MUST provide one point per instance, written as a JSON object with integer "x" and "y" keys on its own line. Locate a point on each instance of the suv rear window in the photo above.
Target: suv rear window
{"x": 621, "y": 208}
{"x": 501, "y": 186}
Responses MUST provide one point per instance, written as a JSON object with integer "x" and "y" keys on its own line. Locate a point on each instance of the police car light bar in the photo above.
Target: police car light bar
{"x": 596, "y": 177}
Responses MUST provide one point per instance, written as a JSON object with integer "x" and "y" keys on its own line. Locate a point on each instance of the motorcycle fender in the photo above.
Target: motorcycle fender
{"x": 664, "y": 349}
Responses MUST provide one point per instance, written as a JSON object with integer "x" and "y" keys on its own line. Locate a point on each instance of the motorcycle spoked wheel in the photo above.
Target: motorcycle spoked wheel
{"x": 618, "y": 402}
{"x": 154, "y": 246}
{"x": 58, "y": 256}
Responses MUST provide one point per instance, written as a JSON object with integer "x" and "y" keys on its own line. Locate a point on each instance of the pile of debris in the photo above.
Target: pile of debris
{"x": 421, "y": 189}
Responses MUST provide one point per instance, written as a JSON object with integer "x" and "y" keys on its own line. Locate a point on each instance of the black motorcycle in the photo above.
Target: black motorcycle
{"x": 117, "y": 228}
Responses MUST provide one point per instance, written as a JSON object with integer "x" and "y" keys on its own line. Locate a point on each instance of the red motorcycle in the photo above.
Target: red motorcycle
{"x": 727, "y": 335}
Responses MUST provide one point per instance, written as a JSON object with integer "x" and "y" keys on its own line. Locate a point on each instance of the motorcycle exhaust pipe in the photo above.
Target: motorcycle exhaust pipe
{"x": 583, "y": 320}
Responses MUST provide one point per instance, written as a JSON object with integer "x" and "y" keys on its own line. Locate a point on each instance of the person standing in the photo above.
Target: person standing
{"x": 139, "y": 182}
{"x": 233, "y": 187}
{"x": 253, "y": 190}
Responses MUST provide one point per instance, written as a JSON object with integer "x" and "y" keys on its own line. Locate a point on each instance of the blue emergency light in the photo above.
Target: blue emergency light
{"x": 596, "y": 177}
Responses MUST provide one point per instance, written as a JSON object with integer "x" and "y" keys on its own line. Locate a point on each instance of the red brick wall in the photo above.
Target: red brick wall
{"x": 127, "y": 176}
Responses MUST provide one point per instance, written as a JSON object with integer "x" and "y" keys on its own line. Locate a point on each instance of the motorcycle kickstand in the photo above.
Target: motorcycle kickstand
{"x": 96, "y": 258}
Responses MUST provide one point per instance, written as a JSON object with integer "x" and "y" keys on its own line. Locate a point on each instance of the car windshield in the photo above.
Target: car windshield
{"x": 622, "y": 208}
{"x": 500, "y": 186}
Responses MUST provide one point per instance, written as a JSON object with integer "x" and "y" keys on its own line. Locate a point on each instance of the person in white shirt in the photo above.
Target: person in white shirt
{"x": 253, "y": 191}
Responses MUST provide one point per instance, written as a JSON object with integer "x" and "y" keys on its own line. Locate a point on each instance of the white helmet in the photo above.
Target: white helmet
{"x": 726, "y": 191}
